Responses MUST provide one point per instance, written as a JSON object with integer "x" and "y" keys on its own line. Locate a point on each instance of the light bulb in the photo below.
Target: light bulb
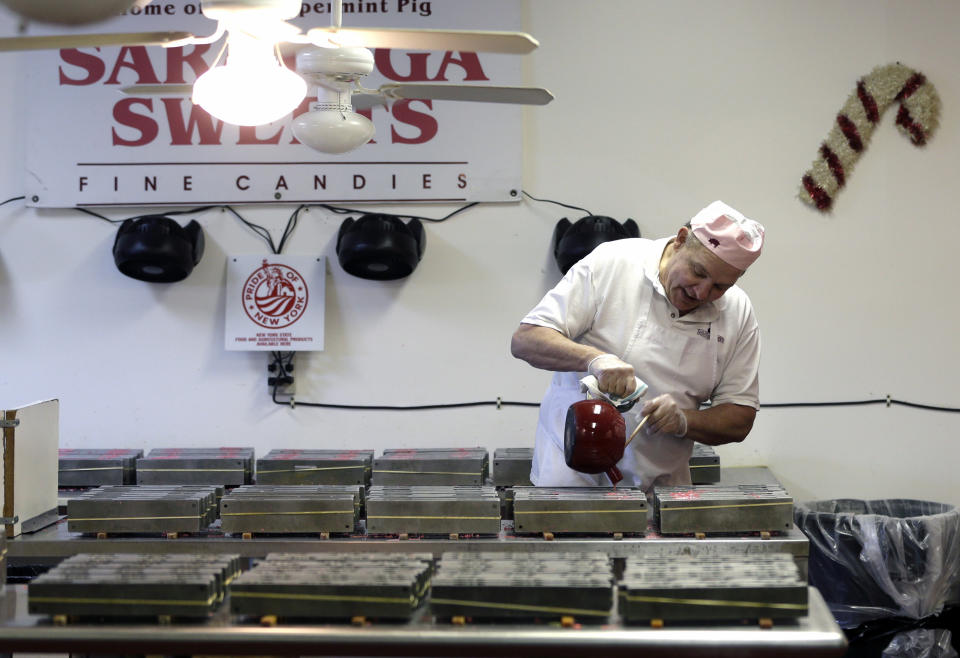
{"x": 331, "y": 128}
{"x": 252, "y": 88}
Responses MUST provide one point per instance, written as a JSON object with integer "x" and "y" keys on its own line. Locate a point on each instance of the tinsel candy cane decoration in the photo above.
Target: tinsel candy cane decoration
{"x": 917, "y": 118}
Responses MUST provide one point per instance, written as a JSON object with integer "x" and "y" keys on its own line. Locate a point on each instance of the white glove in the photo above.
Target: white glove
{"x": 666, "y": 416}
{"x": 613, "y": 375}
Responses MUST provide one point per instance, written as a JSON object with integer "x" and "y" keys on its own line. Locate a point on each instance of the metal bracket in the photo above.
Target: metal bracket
{"x": 9, "y": 520}
{"x": 4, "y": 423}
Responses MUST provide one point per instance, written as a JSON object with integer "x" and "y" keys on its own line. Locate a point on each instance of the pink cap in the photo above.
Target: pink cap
{"x": 735, "y": 239}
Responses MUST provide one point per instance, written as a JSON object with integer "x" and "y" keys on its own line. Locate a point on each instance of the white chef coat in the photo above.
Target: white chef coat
{"x": 613, "y": 300}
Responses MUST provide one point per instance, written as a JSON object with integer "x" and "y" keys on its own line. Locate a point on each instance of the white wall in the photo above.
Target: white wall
{"x": 661, "y": 108}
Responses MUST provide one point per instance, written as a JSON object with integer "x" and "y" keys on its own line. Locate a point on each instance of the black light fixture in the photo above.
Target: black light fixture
{"x": 380, "y": 247}
{"x": 571, "y": 242}
{"x": 157, "y": 249}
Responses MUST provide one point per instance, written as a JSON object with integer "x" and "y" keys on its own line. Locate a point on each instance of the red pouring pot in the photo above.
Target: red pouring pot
{"x": 594, "y": 438}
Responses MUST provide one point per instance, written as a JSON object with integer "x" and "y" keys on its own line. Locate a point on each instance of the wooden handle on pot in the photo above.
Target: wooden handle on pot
{"x": 635, "y": 430}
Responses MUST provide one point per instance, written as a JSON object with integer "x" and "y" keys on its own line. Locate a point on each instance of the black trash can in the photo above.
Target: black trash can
{"x": 873, "y": 559}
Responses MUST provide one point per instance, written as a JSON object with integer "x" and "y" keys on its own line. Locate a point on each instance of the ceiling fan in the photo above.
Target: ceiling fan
{"x": 254, "y": 86}
{"x": 70, "y": 13}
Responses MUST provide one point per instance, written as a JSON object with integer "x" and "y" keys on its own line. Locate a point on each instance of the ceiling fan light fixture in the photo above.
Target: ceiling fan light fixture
{"x": 249, "y": 95}
{"x": 332, "y": 130}
{"x": 331, "y": 125}
{"x": 345, "y": 63}
{"x": 253, "y": 87}
{"x": 157, "y": 249}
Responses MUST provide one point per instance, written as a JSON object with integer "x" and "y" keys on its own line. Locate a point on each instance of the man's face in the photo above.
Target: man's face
{"x": 694, "y": 276}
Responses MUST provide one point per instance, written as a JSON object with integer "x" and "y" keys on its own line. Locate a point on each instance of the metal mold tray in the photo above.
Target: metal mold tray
{"x": 333, "y": 586}
{"x": 131, "y": 585}
{"x": 80, "y": 467}
{"x": 511, "y": 467}
{"x": 586, "y": 510}
{"x": 291, "y": 509}
{"x": 704, "y": 465}
{"x": 515, "y": 586}
{"x": 315, "y": 467}
{"x": 432, "y": 467}
{"x": 143, "y": 509}
{"x": 433, "y": 510}
{"x": 223, "y": 466}
{"x": 711, "y": 588}
{"x": 717, "y": 508}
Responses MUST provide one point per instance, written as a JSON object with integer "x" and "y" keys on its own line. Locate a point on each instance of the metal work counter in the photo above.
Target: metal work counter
{"x": 814, "y": 635}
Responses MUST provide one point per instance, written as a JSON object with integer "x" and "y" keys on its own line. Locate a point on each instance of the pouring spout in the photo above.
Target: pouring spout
{"x": 614, "y": 474}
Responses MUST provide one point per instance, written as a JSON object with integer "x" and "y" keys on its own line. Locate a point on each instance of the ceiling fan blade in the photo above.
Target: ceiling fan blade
{"x": 477, "y": 93}
{"x": 91, "y": 40}
{"x": 365, "y": 101}
{"x": 478, "y": 41}
{"x": 157, "y": 90}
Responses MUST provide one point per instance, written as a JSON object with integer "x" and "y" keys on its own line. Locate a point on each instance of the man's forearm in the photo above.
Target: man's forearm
{"x": 548, "y": 349}
{"x": 724, "y": 423}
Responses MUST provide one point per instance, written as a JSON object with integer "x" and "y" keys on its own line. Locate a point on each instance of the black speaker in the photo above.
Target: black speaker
{"x": 571, "y": 242}
{"x": 157, "y": 249}
{"x": 380, "y": 247}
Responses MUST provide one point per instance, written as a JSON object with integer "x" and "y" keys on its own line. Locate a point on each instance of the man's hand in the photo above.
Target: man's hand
{"x": 665, "y": 416}
{"x": 613, "y": 375}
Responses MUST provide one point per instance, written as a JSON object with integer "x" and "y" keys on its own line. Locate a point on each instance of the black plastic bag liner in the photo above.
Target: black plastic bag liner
{"x": 873, "y": 559}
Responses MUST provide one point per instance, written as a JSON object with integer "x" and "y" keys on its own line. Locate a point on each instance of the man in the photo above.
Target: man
{"x": 667, "y": 311}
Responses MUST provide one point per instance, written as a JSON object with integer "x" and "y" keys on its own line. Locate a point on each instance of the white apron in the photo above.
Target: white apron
{"x": 680, "y": 360}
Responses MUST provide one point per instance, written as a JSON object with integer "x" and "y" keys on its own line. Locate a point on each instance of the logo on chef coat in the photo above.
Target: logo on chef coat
{"x": 275, "y": 295}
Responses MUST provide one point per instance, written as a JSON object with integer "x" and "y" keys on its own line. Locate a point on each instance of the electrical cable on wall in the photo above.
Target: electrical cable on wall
{"x": 340, "y": 210}
{"x": 14, "y": 198}
{"x": 417, "y": 407}
{"x": 256, "y": 228}
{"x": 282, "y": 362}
{"x": 120, "y": 221}
{"x": 888, "y": 401}
{"x": 565, "y": 205}
{"x": 261, "y": 230}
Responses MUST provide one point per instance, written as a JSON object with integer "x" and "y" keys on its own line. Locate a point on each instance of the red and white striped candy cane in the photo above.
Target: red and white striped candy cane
{"x": 917, "y": 119}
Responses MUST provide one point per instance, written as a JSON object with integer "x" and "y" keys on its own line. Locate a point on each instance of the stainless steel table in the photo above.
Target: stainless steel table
{"x": 814, "y": 635}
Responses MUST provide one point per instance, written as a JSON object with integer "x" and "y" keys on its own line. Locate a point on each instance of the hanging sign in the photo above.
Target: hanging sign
{"x": 90, "y": 144}
{"x": 275, "y": 303}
